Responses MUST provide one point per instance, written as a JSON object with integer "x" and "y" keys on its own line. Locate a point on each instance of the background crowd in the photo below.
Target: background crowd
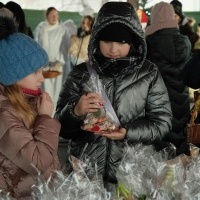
{"x": 149, "y": 71}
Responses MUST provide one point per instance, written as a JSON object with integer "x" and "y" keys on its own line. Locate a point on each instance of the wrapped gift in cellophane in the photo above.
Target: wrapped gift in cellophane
{"x": 145, "y": 174}
{"x": 104, "y": 119}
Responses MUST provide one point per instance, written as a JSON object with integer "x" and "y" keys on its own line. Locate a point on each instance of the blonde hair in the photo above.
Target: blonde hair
{"x": 20, "y": 103}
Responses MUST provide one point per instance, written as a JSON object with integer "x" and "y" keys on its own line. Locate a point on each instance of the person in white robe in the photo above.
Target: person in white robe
{"x": 54, "y": 36}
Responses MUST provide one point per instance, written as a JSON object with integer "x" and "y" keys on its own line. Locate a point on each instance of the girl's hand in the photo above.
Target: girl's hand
{"x": 89, "y": 102}
{"x": 45, "y": 105}
{"x": 115, "y": 135}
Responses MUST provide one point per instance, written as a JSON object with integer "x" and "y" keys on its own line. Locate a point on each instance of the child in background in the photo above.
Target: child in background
{"x": 28, "y": 133}
{"x": 117, "y": 52}
{"x": 184, "y": 23}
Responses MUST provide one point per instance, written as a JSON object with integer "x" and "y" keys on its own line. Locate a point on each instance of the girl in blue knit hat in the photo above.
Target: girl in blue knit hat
{"x": 28, "y": 133}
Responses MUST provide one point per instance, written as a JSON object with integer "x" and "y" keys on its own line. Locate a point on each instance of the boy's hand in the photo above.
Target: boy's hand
{"x": 89, "y": 102}
{"x": 115, "y": 135}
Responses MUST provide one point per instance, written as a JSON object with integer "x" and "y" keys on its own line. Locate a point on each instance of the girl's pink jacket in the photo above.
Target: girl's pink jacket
{"x": 22, "y": 148}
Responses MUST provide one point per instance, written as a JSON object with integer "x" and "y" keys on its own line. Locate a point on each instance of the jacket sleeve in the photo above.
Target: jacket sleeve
{"x": 155, "y": 124}
{"x": 70, "y": 94}
{"x": 26, "y": 148}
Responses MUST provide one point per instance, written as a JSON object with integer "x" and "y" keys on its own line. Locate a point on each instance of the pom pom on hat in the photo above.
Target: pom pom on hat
{"x": 7, "y": 25}
{"x": 162, "y": 16}
{"x": 20, "y": 55}
{"x": 4, "y": 12}
{"x": 1, "y": 5}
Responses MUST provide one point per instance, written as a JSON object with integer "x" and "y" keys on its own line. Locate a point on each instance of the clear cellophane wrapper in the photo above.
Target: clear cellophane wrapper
{"x": 145, "y": 174}
{"x": 5, "y": 195}
{"x": 83, "y": 183}
{"x": 104, "y": 119}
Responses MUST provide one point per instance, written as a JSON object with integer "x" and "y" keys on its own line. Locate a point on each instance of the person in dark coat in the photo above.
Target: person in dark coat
{"x": 191, "y": 72}
{"x": 134, "y": 87}
{"x": 170, "y": 51}
{"x": 190, "y": 76}
{"x": 20, "y": 18}
{"x": 184, "y": 23}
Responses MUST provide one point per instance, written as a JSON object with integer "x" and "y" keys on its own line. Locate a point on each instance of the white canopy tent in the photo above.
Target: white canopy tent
{"x": 188, "y": 5}
{"x": 61, "y": 5}
{"x": 90, "y": 6}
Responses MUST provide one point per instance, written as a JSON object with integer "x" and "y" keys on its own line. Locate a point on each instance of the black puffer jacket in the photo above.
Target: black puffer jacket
{"x": 138, "y": 96}
{"x": 170, "y": 51}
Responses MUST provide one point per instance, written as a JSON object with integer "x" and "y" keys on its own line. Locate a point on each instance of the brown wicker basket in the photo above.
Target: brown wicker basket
{"x": 193, "y": 134}
{"x": 51, "y": 73}
{"x": 193, "y": 130}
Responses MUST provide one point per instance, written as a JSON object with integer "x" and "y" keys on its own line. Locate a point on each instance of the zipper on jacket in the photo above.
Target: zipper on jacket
{"x": 109, "y": 140}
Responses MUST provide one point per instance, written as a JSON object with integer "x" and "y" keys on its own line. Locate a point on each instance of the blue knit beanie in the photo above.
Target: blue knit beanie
{"x": 20, "y": 56}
